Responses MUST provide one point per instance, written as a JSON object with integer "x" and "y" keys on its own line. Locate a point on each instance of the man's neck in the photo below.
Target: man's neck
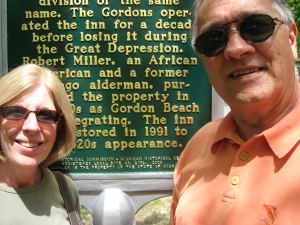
{"x": 255, "y": 120}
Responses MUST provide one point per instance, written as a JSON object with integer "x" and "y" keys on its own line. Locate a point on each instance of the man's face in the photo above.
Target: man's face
{"x": 250, "y": 73}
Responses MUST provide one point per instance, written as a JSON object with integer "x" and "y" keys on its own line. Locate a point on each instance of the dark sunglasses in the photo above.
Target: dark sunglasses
{"x": 254, "y": 28}
{"x": 21, "y": 113}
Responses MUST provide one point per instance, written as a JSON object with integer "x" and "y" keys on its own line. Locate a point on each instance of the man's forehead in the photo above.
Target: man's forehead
{"x": 219, "y": 12}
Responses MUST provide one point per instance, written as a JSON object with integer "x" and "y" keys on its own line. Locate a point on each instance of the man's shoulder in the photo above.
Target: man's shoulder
{"x": 205, "y": 136}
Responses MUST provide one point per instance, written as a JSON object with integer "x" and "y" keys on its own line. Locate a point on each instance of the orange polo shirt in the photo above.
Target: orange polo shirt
{"x": 222, "y": 180}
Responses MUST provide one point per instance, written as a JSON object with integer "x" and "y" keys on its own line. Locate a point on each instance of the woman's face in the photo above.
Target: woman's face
{"x": 28, "y": 142}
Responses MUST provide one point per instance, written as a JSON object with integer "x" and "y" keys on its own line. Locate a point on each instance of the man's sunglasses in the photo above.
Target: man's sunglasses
{"x": 21, "y": 113}
{"x": 254, "y": 28}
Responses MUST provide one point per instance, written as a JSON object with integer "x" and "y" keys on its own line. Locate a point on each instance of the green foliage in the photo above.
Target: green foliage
{"x": 295, "y": 5}
{"x": 86, "y": 217}
{"x": 155, "y": 212}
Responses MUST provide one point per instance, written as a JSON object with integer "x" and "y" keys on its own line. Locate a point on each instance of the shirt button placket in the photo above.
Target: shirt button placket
{"x": 244, "y": 156}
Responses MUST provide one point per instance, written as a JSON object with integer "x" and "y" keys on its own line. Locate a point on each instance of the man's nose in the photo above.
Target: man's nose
{"x": 237, "y": 47}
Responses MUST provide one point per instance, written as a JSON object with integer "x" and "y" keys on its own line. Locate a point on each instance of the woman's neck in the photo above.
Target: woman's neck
{"x": 19, "y": 177}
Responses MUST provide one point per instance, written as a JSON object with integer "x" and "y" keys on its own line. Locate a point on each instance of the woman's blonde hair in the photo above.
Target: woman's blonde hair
{"x": 25, "y": 77}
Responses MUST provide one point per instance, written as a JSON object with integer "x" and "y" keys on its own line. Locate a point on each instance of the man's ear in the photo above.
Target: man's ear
{"x": 293, "y": 39}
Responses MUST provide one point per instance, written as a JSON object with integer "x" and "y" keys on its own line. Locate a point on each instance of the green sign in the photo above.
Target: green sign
{"x": 138, "y": 91}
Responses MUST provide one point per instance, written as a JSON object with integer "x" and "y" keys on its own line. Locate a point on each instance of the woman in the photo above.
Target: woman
{"x": 36, "y": 129}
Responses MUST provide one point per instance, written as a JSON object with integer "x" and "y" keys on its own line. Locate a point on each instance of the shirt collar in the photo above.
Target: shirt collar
{"x": 285, "y": 135}
{"x": 227, "y": 130}
{"x": 281, "y": 138}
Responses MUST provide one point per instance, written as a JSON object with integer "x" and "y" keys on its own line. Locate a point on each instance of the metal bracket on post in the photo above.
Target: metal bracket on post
{"x": 113, "y": 207}
{"x": 3, "y": 38}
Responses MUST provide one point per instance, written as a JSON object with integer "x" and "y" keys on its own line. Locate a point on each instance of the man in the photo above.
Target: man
{"x": 245, "y": 168}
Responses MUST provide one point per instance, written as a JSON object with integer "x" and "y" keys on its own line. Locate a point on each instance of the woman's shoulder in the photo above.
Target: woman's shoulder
{"x": 69, "y": 182}
{"x": 54, "y": 174}
{"x": 71, "y": 187}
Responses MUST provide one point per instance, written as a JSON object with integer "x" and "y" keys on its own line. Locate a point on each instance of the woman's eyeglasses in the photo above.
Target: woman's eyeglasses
{"x": 254, "y": 28}
{"x": 21, "y": 113}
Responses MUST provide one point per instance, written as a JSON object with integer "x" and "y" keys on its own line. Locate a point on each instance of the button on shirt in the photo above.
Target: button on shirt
{"x": 222, "y": 180}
